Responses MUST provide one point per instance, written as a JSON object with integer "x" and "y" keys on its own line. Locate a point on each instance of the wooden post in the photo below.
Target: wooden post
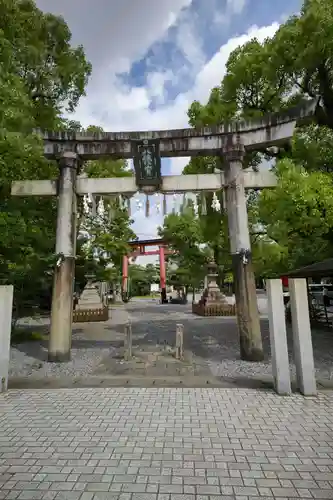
{"x": 62, "y": 298}
{"x": 128, "y": 342}
{"x": 179, "y": 341}
{"x": 245, "y": 288}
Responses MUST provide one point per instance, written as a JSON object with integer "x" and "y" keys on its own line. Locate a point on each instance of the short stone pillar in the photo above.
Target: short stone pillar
{"x": 128, "y": 342}
{"x": 278, "y": 337}
{"x": 117, "y": 297}
{"x": 179, "y": 341}
{"x": 303, "y": 351}
{"x": 6, "y": 307}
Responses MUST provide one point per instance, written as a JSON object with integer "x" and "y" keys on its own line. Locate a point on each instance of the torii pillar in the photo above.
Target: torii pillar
{"x": 63, "y": 284}
{"x": 240, "y": 246}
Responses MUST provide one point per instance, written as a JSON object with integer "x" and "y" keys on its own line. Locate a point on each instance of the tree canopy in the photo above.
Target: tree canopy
{"x": 183, "y": 233}
{"x": 270, "y": 76}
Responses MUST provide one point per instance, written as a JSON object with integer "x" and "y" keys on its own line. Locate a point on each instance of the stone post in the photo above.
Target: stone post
{"x": 303, "y": 352}
{"x": 128, "y": 341}
{"x": 278, "y": 337}
{"x": 62, "y": 298}
{"x": 162, "y": 275}
{"x": 245, "y": 288}
{"x": 6, "y": 307}
{"x": 179, "y": 341}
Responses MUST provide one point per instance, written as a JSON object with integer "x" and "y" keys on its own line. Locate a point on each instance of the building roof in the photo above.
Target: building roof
{"x": 323, "y": 269}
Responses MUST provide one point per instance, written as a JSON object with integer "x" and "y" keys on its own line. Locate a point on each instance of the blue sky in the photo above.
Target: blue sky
{"x": 152, "y": 58}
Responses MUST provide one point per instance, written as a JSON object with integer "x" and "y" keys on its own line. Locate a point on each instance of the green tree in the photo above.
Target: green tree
{"x": 152, "y": 272}
{"x": 38, "y": 51}
{"x": 40, "y": 74}
{"x": 298, "y": 214}
{"x": 274, "y": 75}
{"x": 141, "y": 277}
{"x": 183, "y": 233}
{"x": 109, "y": 237}
{"x": 302, "y": 49}
{"x": 269, "y": 258}
{"x": 312, "y": 147}
{"x": 27, "y": 225}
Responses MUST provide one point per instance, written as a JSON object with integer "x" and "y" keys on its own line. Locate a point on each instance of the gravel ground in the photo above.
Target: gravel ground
{"x": 213, "y": 341}
{"x": 234, "y": 368}
{"x": 83, "y": 363}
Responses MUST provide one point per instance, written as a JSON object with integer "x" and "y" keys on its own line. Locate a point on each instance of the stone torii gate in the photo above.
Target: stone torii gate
{"x": 230, "y": 140}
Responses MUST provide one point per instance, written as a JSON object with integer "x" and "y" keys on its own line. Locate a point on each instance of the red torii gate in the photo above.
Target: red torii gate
{"x": 139, "y": 248}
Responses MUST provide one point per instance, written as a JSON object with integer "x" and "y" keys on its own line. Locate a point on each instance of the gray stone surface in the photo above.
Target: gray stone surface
{"x": 165, "y": 444}
{"x": 90, "y": 298}
{"x": 211, "y": 343}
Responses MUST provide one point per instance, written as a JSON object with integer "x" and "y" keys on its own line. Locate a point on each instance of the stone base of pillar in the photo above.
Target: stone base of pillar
{"x": 91, "y": 315}
{"x": 221, "y": 309}
{"x": 247, "y": 309}
{"x": 59, "y": 357}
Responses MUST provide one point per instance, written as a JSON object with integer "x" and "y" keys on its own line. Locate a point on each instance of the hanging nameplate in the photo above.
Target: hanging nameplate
{"x": 147, "y": 162}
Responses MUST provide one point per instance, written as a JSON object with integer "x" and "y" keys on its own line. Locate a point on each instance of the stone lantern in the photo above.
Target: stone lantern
{"x": 213, "y": 302}
{"x": 212, "y": 293}
{"x": 90, "y": 306}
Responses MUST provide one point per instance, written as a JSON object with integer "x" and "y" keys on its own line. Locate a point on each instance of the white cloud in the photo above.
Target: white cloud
{"x": 189, "y": 42}
{"x": 118, "y": 107}
{"x": 235, "y": 6}
{"x": 156, "y": 83}
{"x": 115, "y": 33}
{"x": 127, "y": 108}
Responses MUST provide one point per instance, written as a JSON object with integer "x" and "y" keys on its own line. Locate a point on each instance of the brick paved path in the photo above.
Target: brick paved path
{"x": 163, "y": 444}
